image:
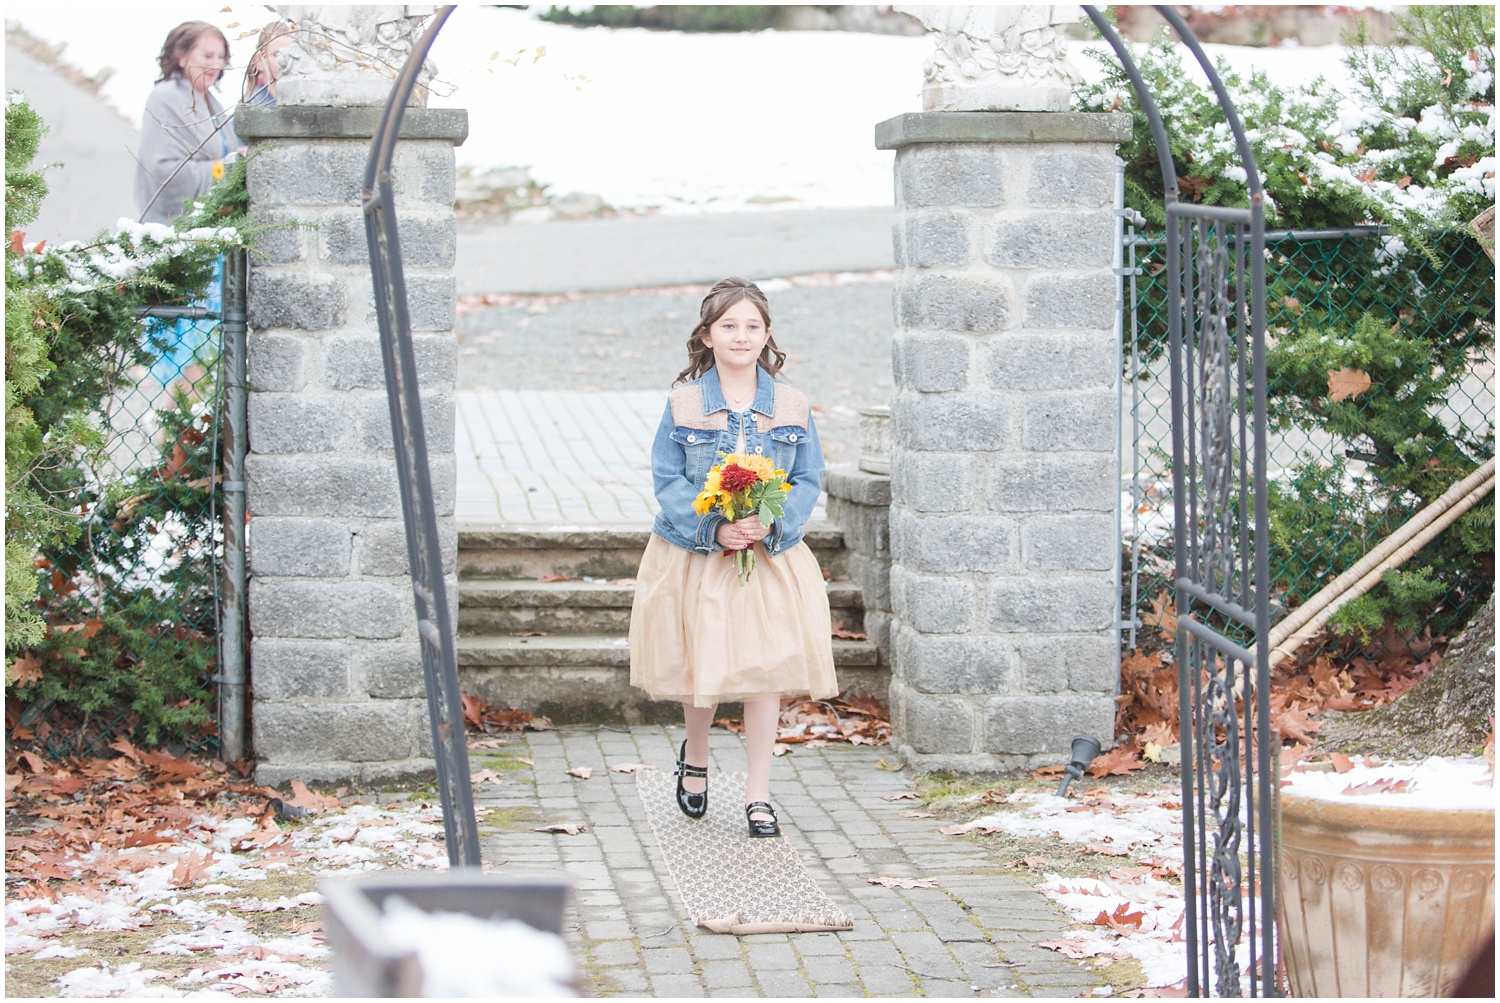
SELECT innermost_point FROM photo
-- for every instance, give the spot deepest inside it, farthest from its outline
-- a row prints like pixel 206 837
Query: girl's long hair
pixel 725 294
pixel 180 41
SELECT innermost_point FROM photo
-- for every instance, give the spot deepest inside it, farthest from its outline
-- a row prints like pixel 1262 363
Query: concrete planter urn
pixel 875 439
pixel 1378 899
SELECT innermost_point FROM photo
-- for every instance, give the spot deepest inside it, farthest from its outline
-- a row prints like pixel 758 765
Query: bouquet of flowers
pixel 740 486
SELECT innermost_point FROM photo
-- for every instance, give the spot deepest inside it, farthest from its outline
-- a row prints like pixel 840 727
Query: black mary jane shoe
pixel 761 828
pixel 692 805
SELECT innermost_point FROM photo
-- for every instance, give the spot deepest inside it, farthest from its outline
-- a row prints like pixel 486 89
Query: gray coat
pixel 176 120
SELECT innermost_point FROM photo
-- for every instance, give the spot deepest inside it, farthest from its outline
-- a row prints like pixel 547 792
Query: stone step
pixel 530 552
pixel 585 678
pixel 500 606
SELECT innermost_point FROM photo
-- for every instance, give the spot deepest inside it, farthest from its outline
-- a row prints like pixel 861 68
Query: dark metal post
pixel 1222 608
pixel 413 474
pixel 232 626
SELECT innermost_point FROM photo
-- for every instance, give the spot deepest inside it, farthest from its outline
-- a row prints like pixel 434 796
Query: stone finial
pixel 347 56
pixel 997 57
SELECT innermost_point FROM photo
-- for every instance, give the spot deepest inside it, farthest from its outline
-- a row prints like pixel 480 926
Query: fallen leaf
pixel 581 772
pixel 780 749
pixel 170 767
pixel 345 839
pixel 1120 761
pixel 1162 615
pixel 32 760
pixel 1107 849
pixel 631 767
pixel 528 633
pixel 148 838
pixel 1347 382
pixel 849 635
pixel 884 765
pixel 25 670
pixel 1341 763
pixel 994 795
pixel 1385 785
pixel 1031 861
pixel 265 833
pixel 568 828
pixel 553 578
pixel 1121 920
pixel 190 869
pixel 903 796
pixel 887 881
pixel 1068 948
pixel 304 798
pixel 485 776
pixel 1293 723
pixel 918 814
pixel 954 830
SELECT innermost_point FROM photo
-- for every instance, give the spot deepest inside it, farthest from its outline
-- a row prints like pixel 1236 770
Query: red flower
pixel 736 478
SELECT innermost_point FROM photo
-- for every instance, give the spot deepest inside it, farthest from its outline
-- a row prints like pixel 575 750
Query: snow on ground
pixel 1464 783
pixel 687 123
pixel 233 857
pixel 1147 910
pixel 1137 838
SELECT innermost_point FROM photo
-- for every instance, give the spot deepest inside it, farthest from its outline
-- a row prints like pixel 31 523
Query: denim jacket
pixel 698 425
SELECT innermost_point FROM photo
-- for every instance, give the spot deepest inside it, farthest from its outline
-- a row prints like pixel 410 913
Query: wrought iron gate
pixel 434 621
pixel 1216 332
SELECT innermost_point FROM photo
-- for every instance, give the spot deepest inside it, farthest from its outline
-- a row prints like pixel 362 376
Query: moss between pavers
pixel 500 761
pixel 501 820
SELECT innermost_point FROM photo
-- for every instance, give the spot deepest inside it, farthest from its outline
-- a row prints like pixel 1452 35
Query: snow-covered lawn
pixel 642 118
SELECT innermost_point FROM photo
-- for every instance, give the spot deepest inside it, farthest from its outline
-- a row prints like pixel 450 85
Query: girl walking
pixel 697 635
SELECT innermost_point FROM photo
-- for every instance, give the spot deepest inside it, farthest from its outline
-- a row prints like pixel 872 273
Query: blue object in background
pixel 183 337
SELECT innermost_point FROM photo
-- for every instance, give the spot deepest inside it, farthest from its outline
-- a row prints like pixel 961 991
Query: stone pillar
pixel 1005 422
pixel 335 666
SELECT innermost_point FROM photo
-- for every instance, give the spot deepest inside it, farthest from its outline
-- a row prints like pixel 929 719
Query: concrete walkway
pixel 973 934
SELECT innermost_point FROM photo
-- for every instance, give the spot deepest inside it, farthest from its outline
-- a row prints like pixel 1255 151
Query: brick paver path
pixel 552 457
pixel 974 934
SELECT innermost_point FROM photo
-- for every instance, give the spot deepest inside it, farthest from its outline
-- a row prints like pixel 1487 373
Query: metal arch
pixel 1223 561
pixel 1209 392
pixel 413 475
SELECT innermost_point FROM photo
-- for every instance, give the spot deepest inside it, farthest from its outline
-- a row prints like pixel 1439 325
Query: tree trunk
pixel 1446 714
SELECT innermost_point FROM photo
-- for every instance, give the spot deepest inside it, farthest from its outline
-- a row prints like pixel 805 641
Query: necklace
pixel 739 402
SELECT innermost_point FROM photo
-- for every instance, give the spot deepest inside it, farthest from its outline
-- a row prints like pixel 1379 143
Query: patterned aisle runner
pixel 729 882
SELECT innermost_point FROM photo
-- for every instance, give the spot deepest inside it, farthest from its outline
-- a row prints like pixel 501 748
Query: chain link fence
pixel 132 603
pixel 1360 437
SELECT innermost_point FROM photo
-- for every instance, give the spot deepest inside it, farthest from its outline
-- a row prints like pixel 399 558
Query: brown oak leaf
pixel 1347 382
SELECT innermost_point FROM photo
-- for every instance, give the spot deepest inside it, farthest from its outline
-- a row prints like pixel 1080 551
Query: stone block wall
pixel 859 503
pixel 336 675
pixel 1005 423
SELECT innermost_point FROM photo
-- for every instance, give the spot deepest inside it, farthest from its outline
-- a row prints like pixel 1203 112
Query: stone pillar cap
pixel 1002 127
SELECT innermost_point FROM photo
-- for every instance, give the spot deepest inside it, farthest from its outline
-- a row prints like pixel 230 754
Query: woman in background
pixel 186 134
pixel 260 82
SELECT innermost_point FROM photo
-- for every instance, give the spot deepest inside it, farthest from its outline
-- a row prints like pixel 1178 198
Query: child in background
pixel 697 634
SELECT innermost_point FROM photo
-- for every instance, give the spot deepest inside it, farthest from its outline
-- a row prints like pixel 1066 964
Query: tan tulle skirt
pixel 698 636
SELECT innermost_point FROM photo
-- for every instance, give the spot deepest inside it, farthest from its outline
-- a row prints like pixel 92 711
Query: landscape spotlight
pixel 1085 748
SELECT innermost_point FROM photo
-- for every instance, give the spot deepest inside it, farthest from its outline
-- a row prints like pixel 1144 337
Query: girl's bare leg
pixel 762 714
pixel 698 721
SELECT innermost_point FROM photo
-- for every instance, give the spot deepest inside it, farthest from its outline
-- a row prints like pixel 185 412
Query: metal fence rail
pixel 1326 279
pixel 140 589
